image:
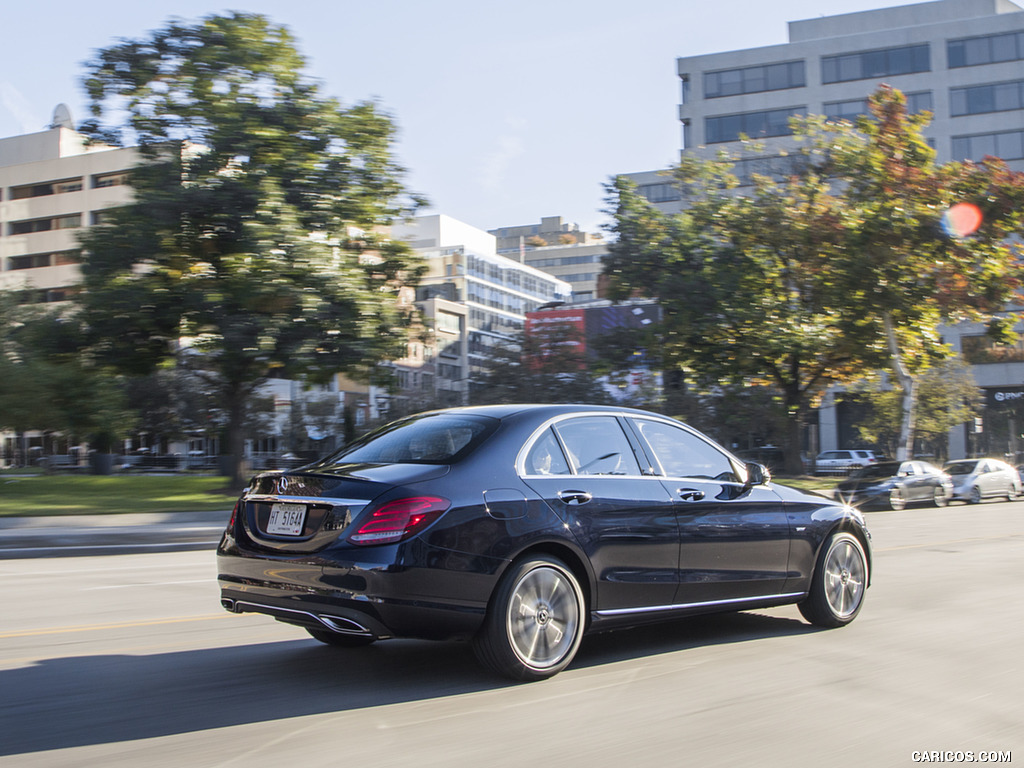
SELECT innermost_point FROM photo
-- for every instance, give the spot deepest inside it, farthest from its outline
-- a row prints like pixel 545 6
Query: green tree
pixel 902 268
pixel 47 384
pixel 946 395
pixel 813 279
pixel 252 238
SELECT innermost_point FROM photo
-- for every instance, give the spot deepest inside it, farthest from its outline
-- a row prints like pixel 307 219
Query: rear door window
pixel 596 445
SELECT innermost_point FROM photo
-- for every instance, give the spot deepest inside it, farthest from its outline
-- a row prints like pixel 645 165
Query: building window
pixel 917 102
pixel 685 89
pixel 71 221
pixel 753 124
pixel 766 77
pixel 881 63
pixel 986 49
pixel 659 193
pixel 448 321
pixel 778 167
pixel 981 349
pixel 981 99
pixel 1008 145
pixel 846 110
pixel 33 261
pixel 49 188
pixel 110 179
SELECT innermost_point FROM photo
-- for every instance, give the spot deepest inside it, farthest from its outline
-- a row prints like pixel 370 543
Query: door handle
pixel 690 494
pixel 575 497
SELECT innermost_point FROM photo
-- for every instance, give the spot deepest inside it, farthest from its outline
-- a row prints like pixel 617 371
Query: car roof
pixel 553 409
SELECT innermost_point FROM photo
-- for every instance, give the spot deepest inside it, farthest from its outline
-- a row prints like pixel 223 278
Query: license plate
pixel 286 519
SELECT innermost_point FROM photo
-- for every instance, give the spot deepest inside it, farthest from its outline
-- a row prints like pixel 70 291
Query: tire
pixel 338 640
pixel 535 621
pixel 974 497
pixel 1011 493
pixel 897 500
pixel 838 584
pixel 939 498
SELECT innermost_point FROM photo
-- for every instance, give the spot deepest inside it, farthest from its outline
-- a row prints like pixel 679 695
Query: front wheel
pixel 940 499
pixel 897 500
pixel 975 495
pixel 535 622
pixel 839 582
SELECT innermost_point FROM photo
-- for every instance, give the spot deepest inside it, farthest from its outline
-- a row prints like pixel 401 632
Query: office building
pixel 558 248
pixel 962 60
pixel 464 269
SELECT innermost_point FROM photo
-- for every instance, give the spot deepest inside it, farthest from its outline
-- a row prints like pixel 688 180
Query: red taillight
pixel 234 515
pixel 399 520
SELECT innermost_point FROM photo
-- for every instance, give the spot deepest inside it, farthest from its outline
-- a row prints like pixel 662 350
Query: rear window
pixel 429 439
pixel 961 467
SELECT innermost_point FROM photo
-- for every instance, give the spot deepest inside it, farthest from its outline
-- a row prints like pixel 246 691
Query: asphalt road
pixel 128 660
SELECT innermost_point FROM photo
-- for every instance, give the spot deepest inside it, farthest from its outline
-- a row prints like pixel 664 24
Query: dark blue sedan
pixel 522 528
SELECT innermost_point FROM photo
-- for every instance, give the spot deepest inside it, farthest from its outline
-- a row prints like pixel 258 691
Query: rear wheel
pixel 535 622
pixel 339 640
pixel 839 582
pixel 975 495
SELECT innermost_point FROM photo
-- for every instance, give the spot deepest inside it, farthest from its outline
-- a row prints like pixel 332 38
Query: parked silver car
pixel 842 462
pixel 977 479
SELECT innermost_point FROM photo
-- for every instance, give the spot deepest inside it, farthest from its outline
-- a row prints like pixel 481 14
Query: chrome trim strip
pixel 330 622
pixel 736 601
pixel 329 501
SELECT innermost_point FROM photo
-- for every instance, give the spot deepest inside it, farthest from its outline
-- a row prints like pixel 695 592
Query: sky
pixel 506 112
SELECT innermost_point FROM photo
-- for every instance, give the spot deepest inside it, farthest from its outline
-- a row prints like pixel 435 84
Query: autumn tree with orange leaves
pixel 846 266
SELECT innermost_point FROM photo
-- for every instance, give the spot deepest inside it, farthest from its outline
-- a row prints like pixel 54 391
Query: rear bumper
pixel 445 599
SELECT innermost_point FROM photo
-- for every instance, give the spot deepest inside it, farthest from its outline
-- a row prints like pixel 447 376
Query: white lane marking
pixel 147 584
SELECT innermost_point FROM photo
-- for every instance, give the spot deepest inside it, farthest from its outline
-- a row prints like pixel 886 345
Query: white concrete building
pixel 52 186
pixel 465 269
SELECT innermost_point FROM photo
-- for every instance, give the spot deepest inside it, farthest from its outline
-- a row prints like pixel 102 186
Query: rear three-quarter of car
pixel 523 527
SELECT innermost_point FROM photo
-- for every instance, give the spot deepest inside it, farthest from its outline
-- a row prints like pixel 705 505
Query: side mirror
pixel 758 474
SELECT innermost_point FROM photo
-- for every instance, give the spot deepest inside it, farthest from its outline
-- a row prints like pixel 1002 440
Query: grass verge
pixel 36 495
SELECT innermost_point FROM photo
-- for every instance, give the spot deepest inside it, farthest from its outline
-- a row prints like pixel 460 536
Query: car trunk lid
pixel 304 511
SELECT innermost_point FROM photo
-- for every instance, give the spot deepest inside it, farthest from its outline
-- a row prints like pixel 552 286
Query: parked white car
pixel 842 462
pixel 977 479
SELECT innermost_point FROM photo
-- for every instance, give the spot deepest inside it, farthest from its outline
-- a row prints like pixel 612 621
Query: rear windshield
pixel 428 439
pixel 961 467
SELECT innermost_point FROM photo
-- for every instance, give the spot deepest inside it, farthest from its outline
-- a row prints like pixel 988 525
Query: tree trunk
pixel 905 448
pixel 236 438
pixel 794 429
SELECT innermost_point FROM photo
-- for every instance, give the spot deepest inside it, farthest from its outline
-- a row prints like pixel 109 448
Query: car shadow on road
pixel 88 700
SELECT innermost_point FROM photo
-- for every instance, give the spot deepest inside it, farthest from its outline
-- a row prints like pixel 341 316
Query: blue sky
pixel 507 112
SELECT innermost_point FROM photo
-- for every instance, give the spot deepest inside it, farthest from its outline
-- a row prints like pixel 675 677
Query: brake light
pixel 234 516
pixel 400 519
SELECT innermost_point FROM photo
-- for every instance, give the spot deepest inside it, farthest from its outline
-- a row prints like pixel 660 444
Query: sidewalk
pixel 24 537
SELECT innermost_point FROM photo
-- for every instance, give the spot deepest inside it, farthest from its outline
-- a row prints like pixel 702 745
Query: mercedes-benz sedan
pixel 521 528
